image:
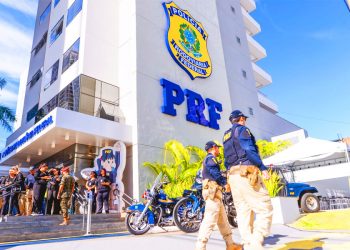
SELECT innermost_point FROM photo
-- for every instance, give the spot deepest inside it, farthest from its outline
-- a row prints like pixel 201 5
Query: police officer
pixel 103 188
pixel 214 214
pixel 250 196
pixel 65 193
pixel 52 192
pixel 41 177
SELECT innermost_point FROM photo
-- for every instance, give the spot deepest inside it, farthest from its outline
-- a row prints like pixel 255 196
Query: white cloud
pixel 15 47
pixel 8 98
pixel 28 7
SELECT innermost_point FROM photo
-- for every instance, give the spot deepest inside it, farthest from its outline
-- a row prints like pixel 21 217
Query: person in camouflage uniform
pixel 65 194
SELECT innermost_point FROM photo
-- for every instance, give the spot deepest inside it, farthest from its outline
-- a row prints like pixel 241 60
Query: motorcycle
pixel 189 211
pixel 157 211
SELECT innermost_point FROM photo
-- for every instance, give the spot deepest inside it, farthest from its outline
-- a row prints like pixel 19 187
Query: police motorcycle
pixel 157 210
pixel 189 211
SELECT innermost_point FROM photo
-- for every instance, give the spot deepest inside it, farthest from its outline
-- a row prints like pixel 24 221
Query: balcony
pixel 262 78
pixel 257 52
pixel 248 5
pixel 251 25
pixel 267 104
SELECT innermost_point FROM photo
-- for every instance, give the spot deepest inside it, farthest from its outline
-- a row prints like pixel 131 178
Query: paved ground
pixel 282 238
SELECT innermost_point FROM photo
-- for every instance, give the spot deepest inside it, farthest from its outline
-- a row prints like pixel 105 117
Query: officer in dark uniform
pixel 243 164
pixel 103 188
pixel 215 213
pixel 52 192
pixel 41 177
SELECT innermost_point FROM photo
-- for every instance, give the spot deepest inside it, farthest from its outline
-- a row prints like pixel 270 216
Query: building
pixel 102 72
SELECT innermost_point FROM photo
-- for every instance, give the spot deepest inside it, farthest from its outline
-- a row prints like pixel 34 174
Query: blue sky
pixel 308 57
pixel 307 43
pixel 17 20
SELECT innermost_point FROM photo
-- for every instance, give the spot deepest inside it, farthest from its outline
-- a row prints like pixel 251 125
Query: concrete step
pixel 45 227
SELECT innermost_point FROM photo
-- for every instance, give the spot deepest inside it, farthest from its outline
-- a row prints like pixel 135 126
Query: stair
pixel 23 228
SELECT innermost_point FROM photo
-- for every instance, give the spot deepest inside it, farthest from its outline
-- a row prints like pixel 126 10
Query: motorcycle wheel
pixel 184 220
pixel 131 225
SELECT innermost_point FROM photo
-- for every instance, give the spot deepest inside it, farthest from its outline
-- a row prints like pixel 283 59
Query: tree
pixel 267 148
pixel 180 166
pixel 7 115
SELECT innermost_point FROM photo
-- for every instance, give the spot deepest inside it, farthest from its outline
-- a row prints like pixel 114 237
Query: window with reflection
pixel 71 56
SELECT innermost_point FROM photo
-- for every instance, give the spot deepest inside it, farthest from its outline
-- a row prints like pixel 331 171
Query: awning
pixel 60 129
pixel 310 149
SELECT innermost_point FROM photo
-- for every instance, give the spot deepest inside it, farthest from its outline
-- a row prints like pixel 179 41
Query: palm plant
pixel 180 166
pixel 7 115
pixel 273 185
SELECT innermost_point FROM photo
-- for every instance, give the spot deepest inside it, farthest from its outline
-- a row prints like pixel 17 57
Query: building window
pixel 67 98
pixel 35 78
pixel 238 40
pixel 251 111
pixel 244 73
pixel 55 3
pixel 45 14
pixel 74 10
pixel 51 75
pixel 32 112
pixel 71 56
pixel 56 31
pixel 233 10
pixel 40 44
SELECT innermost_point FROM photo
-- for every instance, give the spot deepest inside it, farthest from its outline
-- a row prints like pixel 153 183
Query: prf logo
pixel 186 40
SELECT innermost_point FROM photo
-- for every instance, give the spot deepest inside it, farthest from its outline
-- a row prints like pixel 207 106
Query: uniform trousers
pixel 52 200
pixel 65 204
pixel 250 200
pixel 22 202
pixel 38 197
pixel 29 201
pixel 102 201
pixel 214 214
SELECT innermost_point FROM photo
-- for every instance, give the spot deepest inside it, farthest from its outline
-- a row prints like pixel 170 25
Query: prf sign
pixel 186 41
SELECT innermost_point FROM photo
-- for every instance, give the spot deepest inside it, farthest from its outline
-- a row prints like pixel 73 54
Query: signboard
pixel 113 159
pixel 186 41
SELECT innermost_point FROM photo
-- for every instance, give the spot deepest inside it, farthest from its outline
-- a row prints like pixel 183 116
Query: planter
pixel 285 210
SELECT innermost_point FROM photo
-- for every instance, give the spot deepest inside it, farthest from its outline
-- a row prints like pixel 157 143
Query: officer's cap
pixel 31 168
pixel 210 144
pixel 235 114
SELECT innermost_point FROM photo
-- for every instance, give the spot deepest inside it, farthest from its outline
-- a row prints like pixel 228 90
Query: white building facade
pixel 100 72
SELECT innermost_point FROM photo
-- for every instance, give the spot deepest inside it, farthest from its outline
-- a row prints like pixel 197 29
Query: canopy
pixel 310 149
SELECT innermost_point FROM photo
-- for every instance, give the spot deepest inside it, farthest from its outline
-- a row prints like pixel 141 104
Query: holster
pixel 211 190
pixel 251 172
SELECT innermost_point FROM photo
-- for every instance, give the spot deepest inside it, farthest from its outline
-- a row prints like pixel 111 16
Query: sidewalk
pixel 282 238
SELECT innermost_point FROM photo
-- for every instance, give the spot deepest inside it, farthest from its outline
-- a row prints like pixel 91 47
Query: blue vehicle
pixel 157 211
pixel 308 201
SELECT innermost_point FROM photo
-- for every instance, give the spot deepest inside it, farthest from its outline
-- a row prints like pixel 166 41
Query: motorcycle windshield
pixel 156 182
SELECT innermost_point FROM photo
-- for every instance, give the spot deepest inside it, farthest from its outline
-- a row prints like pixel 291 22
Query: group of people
pixel 251 199
pixel 24 196
pixel 48 192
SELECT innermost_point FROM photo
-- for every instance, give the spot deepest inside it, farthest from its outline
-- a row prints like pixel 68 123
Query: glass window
pixel 51 75
pixel 68 98
pixel 32 112
pixel 35 78
pixel 87 104
pixel 109 93
pixel 88 85
pixel 55 3
pixel 56 31
pixel 74 10
pixel 71 56
pixel 45 14
pixel 40 44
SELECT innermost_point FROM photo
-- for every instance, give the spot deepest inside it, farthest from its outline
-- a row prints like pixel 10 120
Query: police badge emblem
pixel 186 41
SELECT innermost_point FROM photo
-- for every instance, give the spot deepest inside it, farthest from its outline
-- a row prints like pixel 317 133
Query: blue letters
pixel 195 108
pixel 213 106
pixel 173 94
